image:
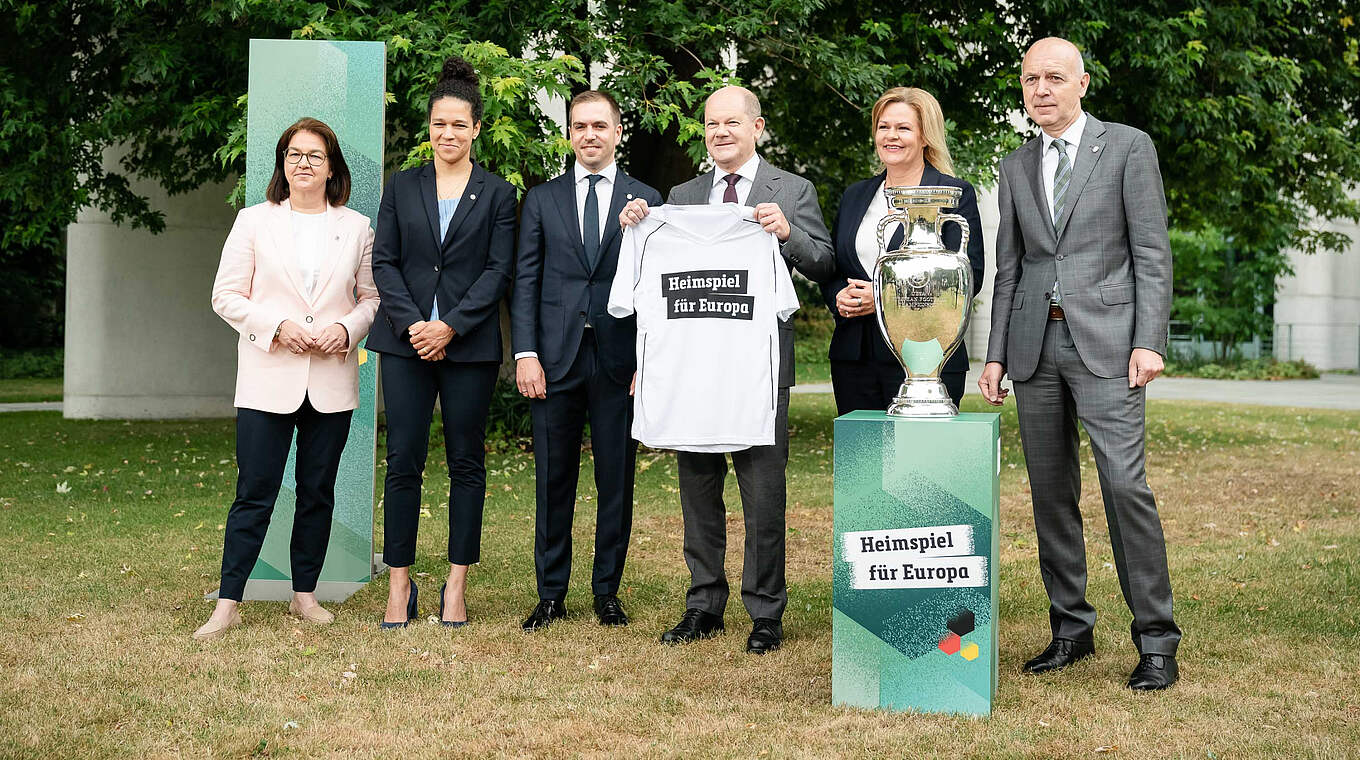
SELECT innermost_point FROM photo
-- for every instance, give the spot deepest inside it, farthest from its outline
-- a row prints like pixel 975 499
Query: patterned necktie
pixel 1061 177
pixel 730 194
pixel 590 224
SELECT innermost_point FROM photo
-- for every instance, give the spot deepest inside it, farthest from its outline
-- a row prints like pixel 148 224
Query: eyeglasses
pixel 315 158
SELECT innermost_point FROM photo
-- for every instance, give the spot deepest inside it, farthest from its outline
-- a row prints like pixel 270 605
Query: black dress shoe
pixel 1060 654
pixel 766 636
pixel 1154 672
pixel 544 613
pixel 609 610
pixel 694 625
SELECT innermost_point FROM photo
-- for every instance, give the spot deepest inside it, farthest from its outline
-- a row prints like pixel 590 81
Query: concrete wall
pixel 1317 309
pixel 142 340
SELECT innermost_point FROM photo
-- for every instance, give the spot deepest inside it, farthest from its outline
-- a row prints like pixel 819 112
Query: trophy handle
pixel 902 218
pixel 940 221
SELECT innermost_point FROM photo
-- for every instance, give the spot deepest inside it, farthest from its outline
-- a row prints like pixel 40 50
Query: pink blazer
pixel 259 285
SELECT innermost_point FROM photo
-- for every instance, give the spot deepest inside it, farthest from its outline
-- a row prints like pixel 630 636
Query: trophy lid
pixel 906 196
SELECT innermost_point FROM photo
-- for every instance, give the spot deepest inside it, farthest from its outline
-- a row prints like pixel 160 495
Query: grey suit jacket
pixel 808 249
pixel 1110 251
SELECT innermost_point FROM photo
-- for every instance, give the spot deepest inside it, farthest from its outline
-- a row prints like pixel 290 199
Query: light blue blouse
pixel 447 207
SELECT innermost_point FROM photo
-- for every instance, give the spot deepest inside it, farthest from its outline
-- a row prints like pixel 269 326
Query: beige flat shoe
pixel 318 614
pixel 214 629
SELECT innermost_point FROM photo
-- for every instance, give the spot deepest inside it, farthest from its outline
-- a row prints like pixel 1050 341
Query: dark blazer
pixel 858 338
pixel 556 291
pixel 469 268
pixel 808 249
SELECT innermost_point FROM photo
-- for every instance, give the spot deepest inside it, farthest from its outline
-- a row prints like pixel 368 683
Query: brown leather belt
pixel 1055 312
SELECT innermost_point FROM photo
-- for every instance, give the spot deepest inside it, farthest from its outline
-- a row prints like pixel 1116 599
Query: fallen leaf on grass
pixel 75 617
pixel 63 487
pixel 1106 748
pixel 1332 546
pixel 290 725
pixel 1043 723
pixel 308 651
pixel 348 674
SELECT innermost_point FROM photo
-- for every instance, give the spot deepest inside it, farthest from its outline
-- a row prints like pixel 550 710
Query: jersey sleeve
pixel 626 275
pixel 785 297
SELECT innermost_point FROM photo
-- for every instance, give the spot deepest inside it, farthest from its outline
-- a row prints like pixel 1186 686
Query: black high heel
pixel 410 610
pixel 442 621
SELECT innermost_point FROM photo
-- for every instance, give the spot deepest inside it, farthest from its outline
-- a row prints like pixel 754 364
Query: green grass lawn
pixel 30 389
pixel 111 533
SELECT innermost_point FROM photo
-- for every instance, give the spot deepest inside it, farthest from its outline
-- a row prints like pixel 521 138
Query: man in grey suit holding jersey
pixel 785 205
pixel 1079 321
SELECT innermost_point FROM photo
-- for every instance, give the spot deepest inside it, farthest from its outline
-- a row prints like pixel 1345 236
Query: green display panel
pixel 342 84
pixel 914 603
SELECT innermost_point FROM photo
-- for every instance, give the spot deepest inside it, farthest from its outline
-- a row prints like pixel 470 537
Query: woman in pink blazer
pixel 297 283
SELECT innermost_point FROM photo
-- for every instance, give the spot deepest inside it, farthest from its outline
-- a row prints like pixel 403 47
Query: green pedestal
pixel 914 604
pixel 342 84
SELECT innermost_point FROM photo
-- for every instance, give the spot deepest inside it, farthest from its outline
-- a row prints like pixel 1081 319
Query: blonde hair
pixel 930 116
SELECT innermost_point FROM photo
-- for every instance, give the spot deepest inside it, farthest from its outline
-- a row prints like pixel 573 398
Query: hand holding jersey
pixel 709 287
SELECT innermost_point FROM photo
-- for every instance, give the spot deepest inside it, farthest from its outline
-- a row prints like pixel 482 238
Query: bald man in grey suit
pixel 1079 321
pixel 785 205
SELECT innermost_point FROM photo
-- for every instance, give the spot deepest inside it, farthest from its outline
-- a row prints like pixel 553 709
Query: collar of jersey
pixel 706 223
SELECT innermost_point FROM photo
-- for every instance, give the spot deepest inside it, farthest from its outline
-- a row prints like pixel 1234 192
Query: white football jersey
pixel 709 288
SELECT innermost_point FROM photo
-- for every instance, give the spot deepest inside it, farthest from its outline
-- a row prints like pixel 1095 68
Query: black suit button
pixel 1048 296
pixel 1061 256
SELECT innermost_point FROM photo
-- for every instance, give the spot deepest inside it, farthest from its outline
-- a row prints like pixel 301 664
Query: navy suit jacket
pixel 858 338
pixel 555 289
pixel 469 267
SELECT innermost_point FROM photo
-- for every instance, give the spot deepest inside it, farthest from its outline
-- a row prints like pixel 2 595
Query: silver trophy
pixel 924 296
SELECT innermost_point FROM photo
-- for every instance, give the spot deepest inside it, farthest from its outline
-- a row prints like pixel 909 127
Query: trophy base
pixel 922 397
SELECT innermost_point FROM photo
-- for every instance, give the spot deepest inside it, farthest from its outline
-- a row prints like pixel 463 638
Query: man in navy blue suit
pixel 574 360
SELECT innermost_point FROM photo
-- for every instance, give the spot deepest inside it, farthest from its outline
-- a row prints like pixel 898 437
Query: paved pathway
pixel 33 406
pixel 1328 392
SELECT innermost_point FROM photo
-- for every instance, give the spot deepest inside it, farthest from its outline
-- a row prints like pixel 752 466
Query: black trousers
pixel 761 474
pixel 873 384
pixel 464 389
pixel 586 391
pixel 262 441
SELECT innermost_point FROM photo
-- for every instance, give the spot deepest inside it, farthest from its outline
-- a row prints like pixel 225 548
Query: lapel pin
pixel 472 197
pixel 1095 148
pixel 630 196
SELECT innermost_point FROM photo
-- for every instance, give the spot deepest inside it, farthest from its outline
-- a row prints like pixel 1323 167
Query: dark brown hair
pixel 591 96
pixel 337 187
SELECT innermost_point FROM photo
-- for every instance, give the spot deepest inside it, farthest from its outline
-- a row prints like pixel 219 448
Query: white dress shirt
pixel 866 237
pixel 1072 136
pixel 747 172
pixel 309 240
pixel 604 193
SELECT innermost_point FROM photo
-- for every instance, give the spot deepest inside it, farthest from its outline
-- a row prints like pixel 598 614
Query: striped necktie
pixel 1061 177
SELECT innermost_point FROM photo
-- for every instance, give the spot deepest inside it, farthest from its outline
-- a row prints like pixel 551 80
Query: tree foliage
pixel 1253 104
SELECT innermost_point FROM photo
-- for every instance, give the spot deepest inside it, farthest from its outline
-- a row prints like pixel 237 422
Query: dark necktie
pixel 590 225
pixel 730 194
